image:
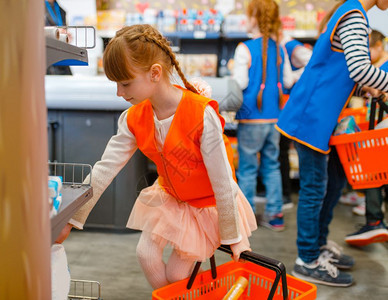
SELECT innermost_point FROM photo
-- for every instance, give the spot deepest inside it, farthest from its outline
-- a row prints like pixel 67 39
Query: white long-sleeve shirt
pixel 242 60
pixel 122 146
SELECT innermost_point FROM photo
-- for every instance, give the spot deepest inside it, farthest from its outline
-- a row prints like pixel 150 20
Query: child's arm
pixel 221 178
pixel 118 151
pixel 290 77
pixel 301 56
pixel 352 37
pixel 241 65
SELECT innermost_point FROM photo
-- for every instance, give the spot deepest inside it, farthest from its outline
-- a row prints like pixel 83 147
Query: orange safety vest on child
pixel 182 172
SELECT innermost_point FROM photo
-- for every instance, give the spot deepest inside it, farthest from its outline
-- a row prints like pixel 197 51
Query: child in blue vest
pixel 298 55
pixel 340 60
pixel 258 70
pixel 375 230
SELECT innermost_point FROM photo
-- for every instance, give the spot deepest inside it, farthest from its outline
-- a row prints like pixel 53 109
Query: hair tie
pixel 279 85
pixel 262 86
pixel 202 87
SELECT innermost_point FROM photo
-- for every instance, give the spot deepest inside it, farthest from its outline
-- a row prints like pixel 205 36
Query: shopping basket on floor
pixel 267 280
pixel 364 154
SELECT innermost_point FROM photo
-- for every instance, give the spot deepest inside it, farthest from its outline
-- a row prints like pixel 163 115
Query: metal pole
pixel 24 212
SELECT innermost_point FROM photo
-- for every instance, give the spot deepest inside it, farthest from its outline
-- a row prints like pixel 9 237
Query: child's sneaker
pixel 359 210
pixel 259 199
pixel 352 198
pixel 276 222
pixel 334 252
pixel 287 203
pixel 370 233
pixel 321 271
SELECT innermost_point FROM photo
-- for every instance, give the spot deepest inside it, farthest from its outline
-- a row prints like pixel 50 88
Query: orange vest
pixel 182 172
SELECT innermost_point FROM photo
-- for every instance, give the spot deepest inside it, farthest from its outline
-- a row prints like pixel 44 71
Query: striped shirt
pixel 352 36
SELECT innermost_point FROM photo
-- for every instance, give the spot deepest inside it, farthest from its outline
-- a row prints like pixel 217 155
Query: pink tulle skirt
pixel 193 232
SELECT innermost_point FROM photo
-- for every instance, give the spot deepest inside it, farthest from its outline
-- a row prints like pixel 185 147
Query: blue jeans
pixel 335 184
pixel 313 181
pixel 252 139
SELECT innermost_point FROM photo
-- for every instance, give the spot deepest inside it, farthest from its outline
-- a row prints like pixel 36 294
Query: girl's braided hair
pixel 266 13
pixel 139 47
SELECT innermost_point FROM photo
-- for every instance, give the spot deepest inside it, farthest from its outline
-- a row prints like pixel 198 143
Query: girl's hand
pixel 64 233
pixel 371 91
pixel 237 249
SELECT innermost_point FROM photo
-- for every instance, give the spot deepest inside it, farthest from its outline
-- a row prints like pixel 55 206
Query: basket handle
pixel 269 263
pixel 196 268
pixel 372 115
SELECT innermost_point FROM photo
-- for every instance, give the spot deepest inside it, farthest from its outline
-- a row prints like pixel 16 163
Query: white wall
pixel 378 20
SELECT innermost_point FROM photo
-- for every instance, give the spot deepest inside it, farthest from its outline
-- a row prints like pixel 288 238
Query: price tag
pixel 199 34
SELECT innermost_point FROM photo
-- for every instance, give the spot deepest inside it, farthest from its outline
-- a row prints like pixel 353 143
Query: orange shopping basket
pixel 257 269
pixel 364 154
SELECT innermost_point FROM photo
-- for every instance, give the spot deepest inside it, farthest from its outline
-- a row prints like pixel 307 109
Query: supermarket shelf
pixel 194 35
pixel 63 54
pixel 297 34
pixel 236 35
pixel 73 197
pixel 176 34
pixel 302 34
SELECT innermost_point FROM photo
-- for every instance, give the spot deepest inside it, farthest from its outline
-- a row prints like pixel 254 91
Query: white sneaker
pixel 321 271
pixel 352 198
pixel 259 199
pixel 359 210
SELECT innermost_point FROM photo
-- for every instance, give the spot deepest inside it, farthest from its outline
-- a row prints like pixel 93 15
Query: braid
pixel 264 26
pixel 277 26
pixel 139 46
pixel 153 36
pixel 266 13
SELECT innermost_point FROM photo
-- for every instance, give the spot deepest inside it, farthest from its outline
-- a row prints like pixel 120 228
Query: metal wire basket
pixel 80 36
pixel 84 290
pixel 73 174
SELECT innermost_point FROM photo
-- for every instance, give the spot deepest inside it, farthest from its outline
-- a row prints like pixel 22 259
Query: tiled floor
pixel 110 259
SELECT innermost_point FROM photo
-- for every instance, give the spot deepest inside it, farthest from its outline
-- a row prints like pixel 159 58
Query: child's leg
pixel 150 256
pixel 178 268
pixel 270 170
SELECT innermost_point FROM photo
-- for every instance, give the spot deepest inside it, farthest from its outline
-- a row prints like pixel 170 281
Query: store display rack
pixel 75 192
pixel 70 54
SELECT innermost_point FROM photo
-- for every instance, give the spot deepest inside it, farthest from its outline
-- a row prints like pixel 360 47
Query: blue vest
pixel 323 90
pixel 384 66
pixel 270 104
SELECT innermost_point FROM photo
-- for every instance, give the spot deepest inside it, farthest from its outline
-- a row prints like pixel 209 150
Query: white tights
pixel 150 256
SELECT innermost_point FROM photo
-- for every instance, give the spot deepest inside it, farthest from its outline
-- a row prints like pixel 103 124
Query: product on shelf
pixel 198 64
pixel 235 23
pixel 112 19
pixel 167 20
pixel 55 195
